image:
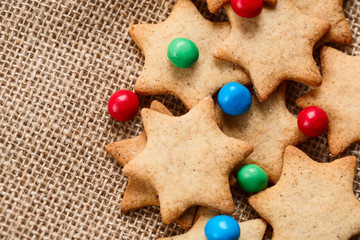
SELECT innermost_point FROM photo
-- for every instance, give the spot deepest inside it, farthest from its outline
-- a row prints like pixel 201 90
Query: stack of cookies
pixel 185 164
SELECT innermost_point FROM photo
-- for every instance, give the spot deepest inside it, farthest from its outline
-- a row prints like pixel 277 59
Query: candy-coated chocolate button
pixel 234 99
pixel 247 8
pixel 222 227
pixel 123 105
pixel 252 178
pixel 313 121
pixel 182 52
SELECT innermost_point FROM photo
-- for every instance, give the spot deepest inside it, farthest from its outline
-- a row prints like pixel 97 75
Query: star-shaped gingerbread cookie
pixel 331 11
pixel 191 84
pixel 188 160
pixel 250 230
pixel 140 194
pixel 311 200
pixel 269 127
pixel 339 97
pixel 275 46
pixel 216 5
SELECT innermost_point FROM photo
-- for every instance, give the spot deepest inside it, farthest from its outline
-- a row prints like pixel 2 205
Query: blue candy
pixel 222 227
pixel 234 99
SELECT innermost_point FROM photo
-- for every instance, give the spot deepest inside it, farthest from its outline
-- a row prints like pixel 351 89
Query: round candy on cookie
pixel 234 99
pixel 247 8
pixel 252 178
pixel 222 227
pixel 313 121
pixel 183 53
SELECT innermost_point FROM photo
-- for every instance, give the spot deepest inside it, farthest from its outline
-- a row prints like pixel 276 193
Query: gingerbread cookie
pixel 216 5
pixel 339 97
pixel 140 194
pixel 188 160
pixel 191 84
pixel 250 230
pixel 275 46
pixel 331 11
pixel 311 200
pixel 269 127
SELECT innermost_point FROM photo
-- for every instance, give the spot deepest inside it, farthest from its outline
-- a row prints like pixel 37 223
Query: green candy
pixel 182 52
pixel 252 178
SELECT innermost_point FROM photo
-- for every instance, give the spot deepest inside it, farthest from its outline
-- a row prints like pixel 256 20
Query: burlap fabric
pixel 60 61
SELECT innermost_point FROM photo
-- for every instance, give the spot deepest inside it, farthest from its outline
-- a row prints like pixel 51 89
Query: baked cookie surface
pixel 188 160
pixel 339 97
pixel 250 230
pixel 311 200
pixel 269 127
pixel 275 46
pixel 138 193
pixel 191 84
pixel 331 11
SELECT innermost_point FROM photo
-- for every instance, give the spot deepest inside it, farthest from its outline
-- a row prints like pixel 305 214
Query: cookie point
pixel 132 30
pixel 291 149
pixel 155 103
pixel 108 147
pixel 324 50
pixel 145 112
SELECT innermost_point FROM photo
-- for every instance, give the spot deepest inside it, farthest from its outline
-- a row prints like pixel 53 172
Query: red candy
pixel 313 121
pixel 123 105
pixel 247 8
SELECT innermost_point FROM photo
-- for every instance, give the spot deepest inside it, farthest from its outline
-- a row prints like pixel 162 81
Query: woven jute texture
pixel 60 61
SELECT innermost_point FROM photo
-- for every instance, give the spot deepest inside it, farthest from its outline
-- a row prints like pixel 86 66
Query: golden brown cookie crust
pixel 275 46
pixel 331 11
pixel 339 97
pixel 138 193
pixel 250 230
pixel 188 160
pixel 311 200
pixel 269 127
pixel 192 84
